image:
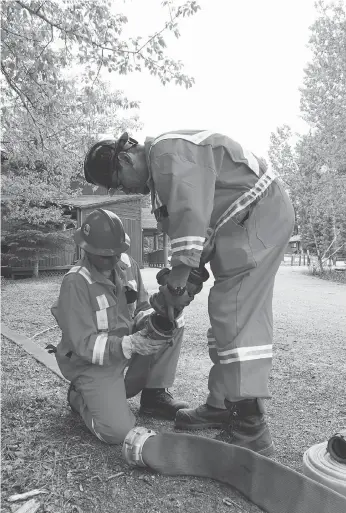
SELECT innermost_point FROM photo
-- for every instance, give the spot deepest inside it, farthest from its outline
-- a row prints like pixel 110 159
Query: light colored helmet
pixel 102 233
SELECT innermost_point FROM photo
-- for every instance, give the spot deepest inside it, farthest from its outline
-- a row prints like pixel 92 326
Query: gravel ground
pixel 307 382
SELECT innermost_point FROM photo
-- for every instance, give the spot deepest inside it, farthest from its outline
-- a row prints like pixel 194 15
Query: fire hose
pixel 326 463
pixel 270 485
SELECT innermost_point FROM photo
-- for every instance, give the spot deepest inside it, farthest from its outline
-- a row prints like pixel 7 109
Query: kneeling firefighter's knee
pixel 114 434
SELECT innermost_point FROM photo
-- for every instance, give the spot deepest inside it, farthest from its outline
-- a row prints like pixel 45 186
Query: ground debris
pixel 229 502
pixel 146 480
pixel 118 474
pixel 26 495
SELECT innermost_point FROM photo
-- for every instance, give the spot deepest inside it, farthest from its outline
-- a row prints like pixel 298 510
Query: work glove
pixel 141 344
pixel 141 319
pixel 172 302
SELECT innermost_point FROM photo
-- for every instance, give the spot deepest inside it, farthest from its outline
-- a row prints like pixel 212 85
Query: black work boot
pixel 160 403
pixel 202 417
pixel 246 427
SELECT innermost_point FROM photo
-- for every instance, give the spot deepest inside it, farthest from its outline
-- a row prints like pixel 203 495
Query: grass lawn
pixel 45 446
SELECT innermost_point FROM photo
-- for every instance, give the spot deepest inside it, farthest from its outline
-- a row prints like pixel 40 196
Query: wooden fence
pixel 61 258
pixel 304 259
pixel 295 259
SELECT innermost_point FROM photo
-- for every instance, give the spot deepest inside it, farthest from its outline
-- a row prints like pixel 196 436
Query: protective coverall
pixel 195 177
pixel 94 314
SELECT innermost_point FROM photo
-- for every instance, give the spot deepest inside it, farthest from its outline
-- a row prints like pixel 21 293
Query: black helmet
pixel 101 161
pixel 102 233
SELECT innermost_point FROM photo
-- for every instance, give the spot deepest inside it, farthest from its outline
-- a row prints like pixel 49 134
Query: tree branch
pixel 43 49
pixel 4 29
pixel 90 41
pixel 20 94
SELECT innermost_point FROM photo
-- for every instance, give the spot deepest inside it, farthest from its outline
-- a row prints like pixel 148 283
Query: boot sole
pixel 156 413
pixel 195 427
pixel 266 451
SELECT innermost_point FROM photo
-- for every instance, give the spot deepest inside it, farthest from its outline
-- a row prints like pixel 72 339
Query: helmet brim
pixel 98 172
pixel 124 246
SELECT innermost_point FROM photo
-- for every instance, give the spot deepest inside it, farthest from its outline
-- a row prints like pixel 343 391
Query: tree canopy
pixel 56 99
pixel 313 165
pixel 323 95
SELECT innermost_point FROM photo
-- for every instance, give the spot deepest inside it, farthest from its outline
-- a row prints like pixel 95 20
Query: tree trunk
pixel 35 268
pixel 319 254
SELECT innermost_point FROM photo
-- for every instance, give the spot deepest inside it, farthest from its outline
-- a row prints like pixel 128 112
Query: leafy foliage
pixel 56 101
pixel 314 165
pixel 323 96
pixel 40 39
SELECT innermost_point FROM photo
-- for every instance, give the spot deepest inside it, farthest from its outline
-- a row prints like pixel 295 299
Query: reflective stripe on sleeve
pixel 243 354
pixel 186 243
pixel 132 284
pixel 101 315
pixel 125 259
pixel 211 342
pixel 99 348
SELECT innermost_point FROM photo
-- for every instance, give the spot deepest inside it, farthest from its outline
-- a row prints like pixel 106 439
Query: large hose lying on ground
pixel 320 463
pixel 272 486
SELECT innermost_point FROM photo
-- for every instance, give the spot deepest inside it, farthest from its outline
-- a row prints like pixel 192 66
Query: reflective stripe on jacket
pixel 194 177
pixel 93 313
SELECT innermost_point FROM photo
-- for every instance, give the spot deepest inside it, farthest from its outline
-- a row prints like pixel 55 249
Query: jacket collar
pixel 121 280
pixel 95 274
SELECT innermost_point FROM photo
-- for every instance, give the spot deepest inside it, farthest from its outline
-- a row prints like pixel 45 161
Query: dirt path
pixel 311 305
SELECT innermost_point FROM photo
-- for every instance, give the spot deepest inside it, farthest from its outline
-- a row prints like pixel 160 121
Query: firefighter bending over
pixel 101 312
pixel 205 184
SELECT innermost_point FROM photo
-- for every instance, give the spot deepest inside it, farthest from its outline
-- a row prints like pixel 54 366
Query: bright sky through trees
pixel 247 58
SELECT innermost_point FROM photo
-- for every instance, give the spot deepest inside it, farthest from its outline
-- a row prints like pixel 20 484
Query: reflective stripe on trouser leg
pixel 217 392
pixel 245 263
pixel 245 355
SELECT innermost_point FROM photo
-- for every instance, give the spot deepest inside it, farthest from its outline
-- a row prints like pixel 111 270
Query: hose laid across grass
pixel 272 486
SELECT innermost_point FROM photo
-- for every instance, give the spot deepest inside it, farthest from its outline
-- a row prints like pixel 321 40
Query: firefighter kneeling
pixel 103 311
